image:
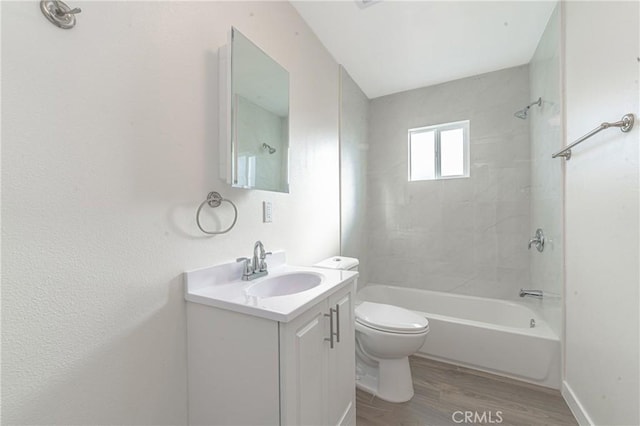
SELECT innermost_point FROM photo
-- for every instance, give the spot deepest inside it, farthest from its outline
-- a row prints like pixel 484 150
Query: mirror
pixel 255 117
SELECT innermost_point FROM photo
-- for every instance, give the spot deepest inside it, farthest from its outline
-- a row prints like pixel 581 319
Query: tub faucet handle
pixel 538 240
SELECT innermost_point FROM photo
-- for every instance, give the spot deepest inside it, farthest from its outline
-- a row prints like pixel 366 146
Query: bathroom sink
pixel 285 284
pixel 286 292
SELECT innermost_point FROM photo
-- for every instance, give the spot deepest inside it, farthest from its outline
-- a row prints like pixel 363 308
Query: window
pixel 439 152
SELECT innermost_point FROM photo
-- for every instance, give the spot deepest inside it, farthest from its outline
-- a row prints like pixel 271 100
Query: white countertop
pixel 221 286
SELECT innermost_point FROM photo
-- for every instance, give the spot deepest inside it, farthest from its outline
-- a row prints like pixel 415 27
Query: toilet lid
pixel 390 318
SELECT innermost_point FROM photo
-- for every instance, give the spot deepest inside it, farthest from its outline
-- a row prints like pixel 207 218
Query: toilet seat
pixel 391 319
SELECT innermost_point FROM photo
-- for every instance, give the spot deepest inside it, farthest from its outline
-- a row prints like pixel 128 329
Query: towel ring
pixel 214 199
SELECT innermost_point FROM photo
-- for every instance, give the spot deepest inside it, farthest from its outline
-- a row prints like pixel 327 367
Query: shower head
pixel 269 148
pixel 523 113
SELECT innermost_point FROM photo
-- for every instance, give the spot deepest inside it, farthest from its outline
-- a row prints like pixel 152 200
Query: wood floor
pixel 443 389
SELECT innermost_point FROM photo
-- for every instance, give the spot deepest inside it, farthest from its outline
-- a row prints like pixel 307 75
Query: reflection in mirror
pixel 259 118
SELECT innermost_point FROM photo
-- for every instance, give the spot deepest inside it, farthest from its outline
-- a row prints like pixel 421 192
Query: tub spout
pixel 534 293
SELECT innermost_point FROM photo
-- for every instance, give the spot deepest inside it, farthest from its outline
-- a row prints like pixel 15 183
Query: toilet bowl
pixel 385 337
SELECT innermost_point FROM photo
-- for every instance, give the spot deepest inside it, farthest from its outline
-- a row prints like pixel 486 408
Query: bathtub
pixel 485 334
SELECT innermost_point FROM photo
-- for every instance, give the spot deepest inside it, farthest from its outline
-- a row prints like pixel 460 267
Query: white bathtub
pixel 486 334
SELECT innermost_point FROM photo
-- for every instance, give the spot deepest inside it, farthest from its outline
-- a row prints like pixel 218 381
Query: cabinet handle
pixel 337 323
pixel 331 333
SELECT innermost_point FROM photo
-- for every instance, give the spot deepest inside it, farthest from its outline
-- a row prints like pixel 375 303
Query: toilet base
pixel 389 380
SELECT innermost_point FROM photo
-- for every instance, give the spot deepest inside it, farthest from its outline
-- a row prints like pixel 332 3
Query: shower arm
pixel 524 111
pixel 538 102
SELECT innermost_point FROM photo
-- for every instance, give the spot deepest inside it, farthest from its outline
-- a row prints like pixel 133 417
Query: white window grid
pixel 437 129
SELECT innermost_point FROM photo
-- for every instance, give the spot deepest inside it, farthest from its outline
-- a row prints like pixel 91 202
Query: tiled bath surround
pixel 354 123
pixel 466 235
pixel 546 172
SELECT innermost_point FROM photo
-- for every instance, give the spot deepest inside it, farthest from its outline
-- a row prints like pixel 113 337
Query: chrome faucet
pixel 255 267
pixel 534 293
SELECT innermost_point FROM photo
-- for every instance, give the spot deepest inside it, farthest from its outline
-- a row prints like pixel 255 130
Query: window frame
pixel 437 129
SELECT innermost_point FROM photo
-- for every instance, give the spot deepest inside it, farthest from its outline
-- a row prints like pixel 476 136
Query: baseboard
pixel 575 406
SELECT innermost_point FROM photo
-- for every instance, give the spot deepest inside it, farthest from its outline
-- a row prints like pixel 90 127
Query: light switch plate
pixel 267 212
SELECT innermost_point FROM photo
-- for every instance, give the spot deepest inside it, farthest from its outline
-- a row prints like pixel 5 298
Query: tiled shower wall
pixel 465 235
pixel 354 115
pixel 546 172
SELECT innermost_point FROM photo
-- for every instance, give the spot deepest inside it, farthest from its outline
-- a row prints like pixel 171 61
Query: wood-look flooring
pixel 442 389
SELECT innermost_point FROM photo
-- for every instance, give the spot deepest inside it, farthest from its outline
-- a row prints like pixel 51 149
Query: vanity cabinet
pixel 318 364
pixel 247 370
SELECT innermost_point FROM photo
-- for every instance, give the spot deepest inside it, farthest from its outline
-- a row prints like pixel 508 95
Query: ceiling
pixel 391 46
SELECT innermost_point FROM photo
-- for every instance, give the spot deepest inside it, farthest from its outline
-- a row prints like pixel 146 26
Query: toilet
pixel 385 337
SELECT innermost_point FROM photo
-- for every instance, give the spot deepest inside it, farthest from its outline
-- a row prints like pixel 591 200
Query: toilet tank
pixel 339 262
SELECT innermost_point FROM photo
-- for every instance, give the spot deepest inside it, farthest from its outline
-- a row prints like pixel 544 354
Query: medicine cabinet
pixel 254 117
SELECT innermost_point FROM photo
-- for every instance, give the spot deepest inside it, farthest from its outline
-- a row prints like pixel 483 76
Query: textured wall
pixel 464 235
pixel 109 143
pixel 602 210
pixel 354 146
pixel 546 172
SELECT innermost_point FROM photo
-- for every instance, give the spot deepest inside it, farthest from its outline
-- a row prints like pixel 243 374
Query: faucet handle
pixel 263 263
pixel 538 240
pixel 247 265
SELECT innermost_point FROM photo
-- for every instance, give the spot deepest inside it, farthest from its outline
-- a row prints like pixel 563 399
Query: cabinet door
pixel 303 368
pixel 342 369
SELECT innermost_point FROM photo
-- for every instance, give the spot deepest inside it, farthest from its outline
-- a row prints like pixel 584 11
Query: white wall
pixel 602 255
pixel 354 147
pixel 546 172
pixel 109 143
pixel 464 235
